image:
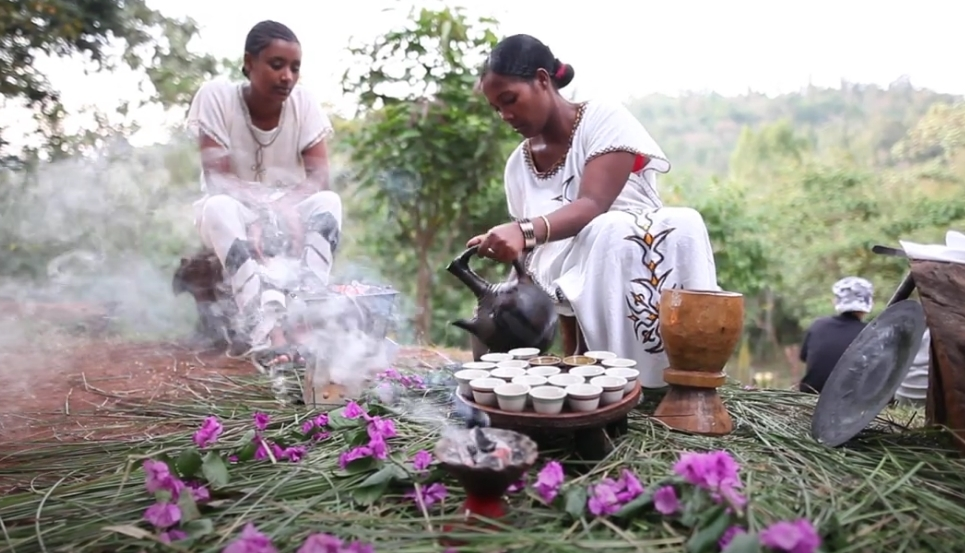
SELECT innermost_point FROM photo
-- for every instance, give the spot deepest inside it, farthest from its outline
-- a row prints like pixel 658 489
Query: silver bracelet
pixel 529 234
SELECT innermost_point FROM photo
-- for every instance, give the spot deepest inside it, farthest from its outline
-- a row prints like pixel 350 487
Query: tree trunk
pixel 423 292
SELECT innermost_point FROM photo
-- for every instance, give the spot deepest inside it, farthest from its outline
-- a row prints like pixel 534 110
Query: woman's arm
pixel 603 179
pixel 219 176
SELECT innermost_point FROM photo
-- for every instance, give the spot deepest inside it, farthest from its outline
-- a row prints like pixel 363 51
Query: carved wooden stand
pixel 700 331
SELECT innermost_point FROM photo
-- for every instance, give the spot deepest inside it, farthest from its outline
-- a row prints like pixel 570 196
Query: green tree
pixel 429 152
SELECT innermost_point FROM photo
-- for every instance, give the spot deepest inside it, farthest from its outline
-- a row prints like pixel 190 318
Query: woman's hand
pixel 503 243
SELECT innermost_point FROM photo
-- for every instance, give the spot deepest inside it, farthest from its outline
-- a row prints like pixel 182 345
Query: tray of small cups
pixel 523 381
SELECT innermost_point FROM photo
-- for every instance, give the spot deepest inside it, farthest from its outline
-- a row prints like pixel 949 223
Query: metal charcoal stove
pixel 344 336
pixel 486 462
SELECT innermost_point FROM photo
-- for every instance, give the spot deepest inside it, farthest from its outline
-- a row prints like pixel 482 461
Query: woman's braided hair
pixel 521 56
pixel 262 34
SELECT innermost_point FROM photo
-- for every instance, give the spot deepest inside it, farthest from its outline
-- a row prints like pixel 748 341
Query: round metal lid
pixel 868 374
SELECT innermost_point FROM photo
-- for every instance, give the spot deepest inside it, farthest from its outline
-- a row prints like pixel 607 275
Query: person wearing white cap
pixel 828 337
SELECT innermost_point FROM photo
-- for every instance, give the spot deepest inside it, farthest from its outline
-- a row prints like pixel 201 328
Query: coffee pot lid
pixel 868 374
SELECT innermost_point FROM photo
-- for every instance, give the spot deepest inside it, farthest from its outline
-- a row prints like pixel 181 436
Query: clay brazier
pixel 700 330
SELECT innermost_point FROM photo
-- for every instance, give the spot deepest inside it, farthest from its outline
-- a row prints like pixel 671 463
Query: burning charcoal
pixel 483 442
pixel 472 417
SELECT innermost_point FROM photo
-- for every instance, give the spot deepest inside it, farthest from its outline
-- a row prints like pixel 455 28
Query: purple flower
pixel 294 453
pixel 320 436
pixel 549 480
pixel 353 411
pixel 603 499
pixel 665 501
pixel 199 493
pixel 163 515
pixel 378 448
pixel 429 495
pixel 728 536
pixel 326 543
pixel 208 433
pixel 261 421
pixel 517 486
pixel 353 455
pixel 711 471
pixel 629 487
pixel 250 541
pixel 159 477
pixel 798 536
pixel 172 535
pixel 317 422
pixel 381 428
pixel 421 460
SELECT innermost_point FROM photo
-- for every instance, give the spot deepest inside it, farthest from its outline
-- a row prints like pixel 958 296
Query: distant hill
pixel 698 132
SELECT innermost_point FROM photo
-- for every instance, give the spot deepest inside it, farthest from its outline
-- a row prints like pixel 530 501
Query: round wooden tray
pixel 567 420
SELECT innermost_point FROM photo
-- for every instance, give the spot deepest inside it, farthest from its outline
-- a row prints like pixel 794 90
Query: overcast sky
pixel 618 48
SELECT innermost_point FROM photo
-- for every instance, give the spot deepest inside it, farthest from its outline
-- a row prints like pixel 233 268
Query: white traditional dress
pixel 274 158
pixel 611 274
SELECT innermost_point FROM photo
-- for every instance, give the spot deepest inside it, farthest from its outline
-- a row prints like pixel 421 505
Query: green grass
pixel 892 489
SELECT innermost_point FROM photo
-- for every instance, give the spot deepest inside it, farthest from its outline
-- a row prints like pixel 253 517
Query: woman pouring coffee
pixel 582 190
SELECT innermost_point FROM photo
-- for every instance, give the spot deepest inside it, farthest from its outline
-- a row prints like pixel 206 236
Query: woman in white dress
pixel 265 166
pixel 582 190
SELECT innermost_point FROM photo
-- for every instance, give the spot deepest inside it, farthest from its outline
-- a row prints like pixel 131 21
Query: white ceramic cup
pixel 583 397
pixel 563 380
pixel 547 400
pixel 630 375
pixel 513 364
pixel 483 390
pixel 524 353
pixel 612 388
pixel 600 355
pixel 618 362
pixel 507 373
pixel 545 371
pixel 495 357
pixel 465 376
pixel 479 365
pixel 588 371
pixel 511 397
pixel 532 381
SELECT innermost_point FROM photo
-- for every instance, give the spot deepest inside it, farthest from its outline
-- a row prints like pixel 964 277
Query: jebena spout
pixel 469 326
pixel 459 267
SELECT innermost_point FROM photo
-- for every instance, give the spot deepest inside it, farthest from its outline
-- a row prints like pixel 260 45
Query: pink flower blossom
pixel 261 421
pixel 208 433
pixel 353 411
pixel 318 422
pixel 715 472
pixel 728 536
pixel 608 496
pixel 319 436
pixel 407 380
pixel 378 447
pixel 665 500
pixel 326 543
pixel 354 454
pixel 163 515
pixel 159 477
pixel 516 486
pixel 549 480
pixel 250 541
pixel 603 499
pixel 381 428
pixel 421 460
pixel 430 495
pixel 199 493
pixel 172 535
pixel 798 536
pixel 294 453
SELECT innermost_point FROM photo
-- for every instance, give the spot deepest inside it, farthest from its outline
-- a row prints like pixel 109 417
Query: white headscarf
pixel 853 294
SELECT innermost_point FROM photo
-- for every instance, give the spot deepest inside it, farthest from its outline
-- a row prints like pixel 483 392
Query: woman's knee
pixel 325 201
pixel 219 208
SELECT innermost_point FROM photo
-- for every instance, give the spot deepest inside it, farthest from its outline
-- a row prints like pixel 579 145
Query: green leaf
pixel 338 421
pixel 189 509
pixel 576 501
pixel 367 495
pixel 188 463
pixel 198 527
pixel 363 464
pixel 247 452
pixel 215 470
pixel 639 503
pixel 744 543
pixel 711 527
pixel 385 475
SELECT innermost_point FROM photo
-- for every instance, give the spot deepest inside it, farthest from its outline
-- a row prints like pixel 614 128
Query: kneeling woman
pixel 584 180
